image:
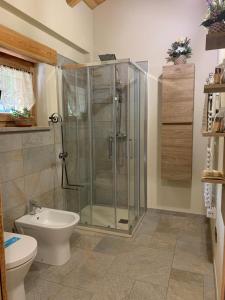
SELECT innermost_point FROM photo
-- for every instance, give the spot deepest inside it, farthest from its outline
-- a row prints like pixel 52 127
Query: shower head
pixel 107 57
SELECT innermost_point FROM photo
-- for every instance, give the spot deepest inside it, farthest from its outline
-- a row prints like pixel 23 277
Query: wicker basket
pixel 182 59
pixel 217 27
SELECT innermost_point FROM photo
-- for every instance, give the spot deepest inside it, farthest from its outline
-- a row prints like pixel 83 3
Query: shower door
pixel 103 136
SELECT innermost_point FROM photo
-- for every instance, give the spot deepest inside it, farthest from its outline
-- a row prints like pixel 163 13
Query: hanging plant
pixel 180 51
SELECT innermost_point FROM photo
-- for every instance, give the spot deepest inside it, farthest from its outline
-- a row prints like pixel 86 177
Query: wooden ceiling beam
pixel 91 3
pixel 72 3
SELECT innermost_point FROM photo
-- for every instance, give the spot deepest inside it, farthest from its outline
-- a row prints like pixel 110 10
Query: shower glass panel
pixel 76 170
pixel 104 129
pixel 143 142
pixel 102 89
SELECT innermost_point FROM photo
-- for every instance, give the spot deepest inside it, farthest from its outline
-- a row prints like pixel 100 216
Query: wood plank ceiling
pixel 91 3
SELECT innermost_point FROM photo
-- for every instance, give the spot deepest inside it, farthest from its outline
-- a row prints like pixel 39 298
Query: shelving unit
pixel 214 88
pixel 216 41
pixel 215 181
pixel 213 134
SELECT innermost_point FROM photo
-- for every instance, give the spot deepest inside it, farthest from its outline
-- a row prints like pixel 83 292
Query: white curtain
pixel 16 89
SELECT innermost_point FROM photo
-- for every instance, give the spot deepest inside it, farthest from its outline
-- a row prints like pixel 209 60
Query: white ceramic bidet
pixel 52 229
pixel 19 255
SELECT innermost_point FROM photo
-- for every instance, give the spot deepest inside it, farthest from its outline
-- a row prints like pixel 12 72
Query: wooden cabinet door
pixel 178 93
pixel 176 152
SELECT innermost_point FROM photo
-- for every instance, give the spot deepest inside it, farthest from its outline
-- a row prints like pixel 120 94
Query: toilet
pixel 20 251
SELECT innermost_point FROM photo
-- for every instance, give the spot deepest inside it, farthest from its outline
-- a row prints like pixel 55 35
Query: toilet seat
pixel 21 251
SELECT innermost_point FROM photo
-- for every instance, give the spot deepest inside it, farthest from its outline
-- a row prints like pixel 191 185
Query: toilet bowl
pixel 52 229
pixel 19 255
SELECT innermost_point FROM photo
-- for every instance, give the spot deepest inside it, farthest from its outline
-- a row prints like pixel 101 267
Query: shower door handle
pixel 110 146
pixel 131 149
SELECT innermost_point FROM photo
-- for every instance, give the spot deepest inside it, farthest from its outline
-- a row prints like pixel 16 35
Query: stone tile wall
pixel 29 170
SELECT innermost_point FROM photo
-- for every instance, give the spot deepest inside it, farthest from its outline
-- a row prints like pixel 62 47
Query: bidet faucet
pixel 33 206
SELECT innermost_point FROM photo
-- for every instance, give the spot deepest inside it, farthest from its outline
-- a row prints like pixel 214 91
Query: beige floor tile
pixel 185 286
pixel 85 241
pixel 157 240
pixel 112 287
pixel 41 289
pixel 149 224
pixel 92 270
pixel 146 291
pixel 193 257
pixel 144 264
pixel 67 293
pixel 114 245
pixel 171 224
pixel 56 274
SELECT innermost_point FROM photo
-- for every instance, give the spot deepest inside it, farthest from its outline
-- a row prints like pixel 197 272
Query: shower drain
pixel 123 221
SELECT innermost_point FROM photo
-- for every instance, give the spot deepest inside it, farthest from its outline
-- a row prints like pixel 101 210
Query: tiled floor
pixel 169 258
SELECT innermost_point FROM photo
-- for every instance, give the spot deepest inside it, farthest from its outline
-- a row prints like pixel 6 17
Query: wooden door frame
pixel 3 291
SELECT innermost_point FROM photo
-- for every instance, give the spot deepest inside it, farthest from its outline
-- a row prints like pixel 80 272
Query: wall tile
pixel 38 139
pixel 39 183
pixel 11 165
pixel 9 142
pixel 13 193
pixel 38 158
pixel 12 214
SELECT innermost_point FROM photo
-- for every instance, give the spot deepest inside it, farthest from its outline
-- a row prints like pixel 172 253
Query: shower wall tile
pixel 11 165
pixel 38 158
pixel 102 129
pixel 9 142
pixel 102 112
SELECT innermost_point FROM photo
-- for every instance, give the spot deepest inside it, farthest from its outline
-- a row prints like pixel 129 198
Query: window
pixel 16 86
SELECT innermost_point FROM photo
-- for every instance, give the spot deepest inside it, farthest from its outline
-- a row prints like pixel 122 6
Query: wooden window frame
pixel 22 65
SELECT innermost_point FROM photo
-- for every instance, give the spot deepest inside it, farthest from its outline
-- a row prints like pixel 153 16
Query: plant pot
pixel 182 59
pixel 23 122
pixel 217 27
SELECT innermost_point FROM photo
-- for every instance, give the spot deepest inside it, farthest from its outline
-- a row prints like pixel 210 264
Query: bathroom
pixel 86 191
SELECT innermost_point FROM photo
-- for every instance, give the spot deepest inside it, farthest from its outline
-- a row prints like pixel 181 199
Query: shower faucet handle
pixel 63 155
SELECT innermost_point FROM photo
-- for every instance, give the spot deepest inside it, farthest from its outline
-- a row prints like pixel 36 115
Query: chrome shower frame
pixel 114 148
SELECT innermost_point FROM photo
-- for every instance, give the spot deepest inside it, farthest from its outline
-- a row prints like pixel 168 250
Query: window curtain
pixel 16 89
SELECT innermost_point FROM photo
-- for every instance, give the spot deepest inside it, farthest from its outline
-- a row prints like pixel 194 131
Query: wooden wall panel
pixel 177 93
pixel 176 152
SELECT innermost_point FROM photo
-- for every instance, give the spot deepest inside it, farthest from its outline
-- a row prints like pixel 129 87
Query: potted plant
pixel 22 118
pixel 180 51
pixel 214 20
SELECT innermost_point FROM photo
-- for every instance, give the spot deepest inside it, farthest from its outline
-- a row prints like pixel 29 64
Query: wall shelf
pixel 214 88
pixel 213 134
pixel 215 41
pixel 216 181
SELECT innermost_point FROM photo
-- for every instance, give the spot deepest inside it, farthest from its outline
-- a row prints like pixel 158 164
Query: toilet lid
pixel 20 252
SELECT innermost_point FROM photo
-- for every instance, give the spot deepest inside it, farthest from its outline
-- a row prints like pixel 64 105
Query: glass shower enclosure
pixel 105 130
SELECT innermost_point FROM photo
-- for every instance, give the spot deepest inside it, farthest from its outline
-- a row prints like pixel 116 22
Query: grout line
pixel 175 248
